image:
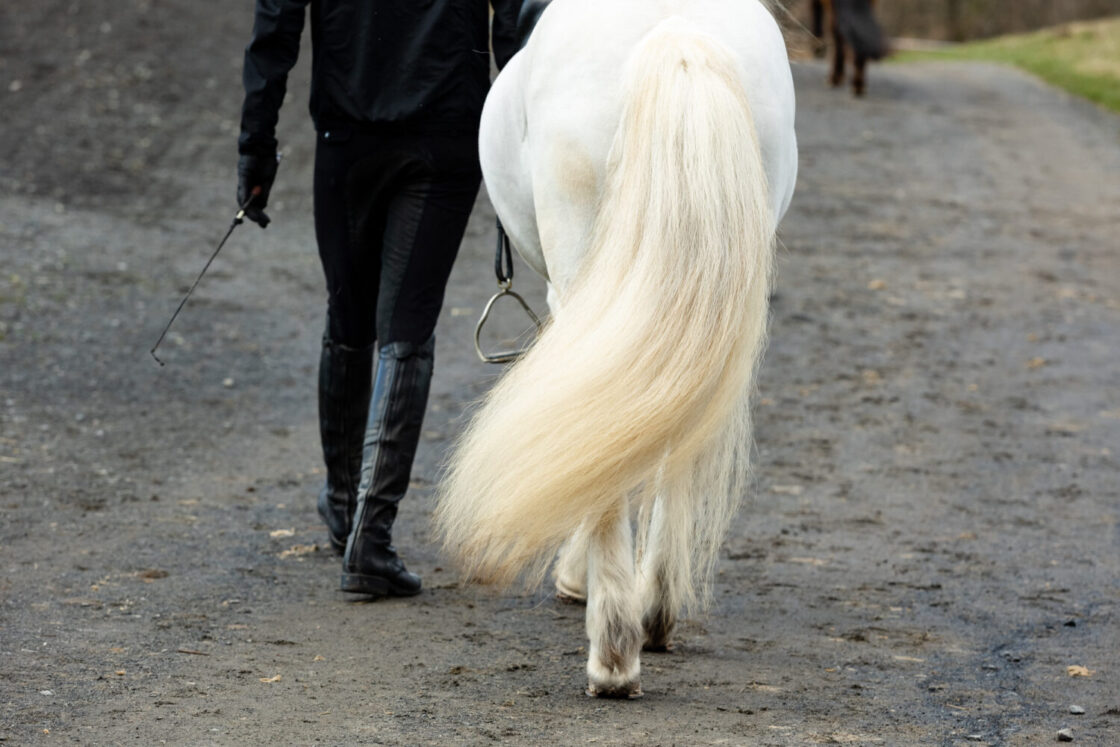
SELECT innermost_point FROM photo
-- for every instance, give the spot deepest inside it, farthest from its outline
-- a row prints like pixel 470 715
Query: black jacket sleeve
pixel 503 31
pixel 270 56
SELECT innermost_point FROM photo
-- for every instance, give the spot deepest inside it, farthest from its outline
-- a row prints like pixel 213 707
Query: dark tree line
pixel 959 20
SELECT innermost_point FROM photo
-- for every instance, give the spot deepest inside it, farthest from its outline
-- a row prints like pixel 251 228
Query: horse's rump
pixel 640 386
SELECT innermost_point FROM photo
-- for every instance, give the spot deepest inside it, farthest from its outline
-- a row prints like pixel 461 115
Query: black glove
pixel 255 173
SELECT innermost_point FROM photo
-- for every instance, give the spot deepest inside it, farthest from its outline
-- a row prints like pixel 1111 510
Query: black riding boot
pixel 400 396
pixel 344 382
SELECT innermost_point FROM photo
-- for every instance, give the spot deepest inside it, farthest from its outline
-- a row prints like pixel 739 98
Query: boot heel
pixel 359 583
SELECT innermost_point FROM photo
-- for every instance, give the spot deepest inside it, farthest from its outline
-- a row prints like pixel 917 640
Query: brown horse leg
pixel 819 45
pixel 837 77
pixel 859 82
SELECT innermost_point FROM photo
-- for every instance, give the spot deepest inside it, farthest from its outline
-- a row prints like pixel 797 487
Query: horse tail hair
pixel 639 388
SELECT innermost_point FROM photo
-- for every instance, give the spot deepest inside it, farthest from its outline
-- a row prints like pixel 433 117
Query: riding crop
pixel 238 219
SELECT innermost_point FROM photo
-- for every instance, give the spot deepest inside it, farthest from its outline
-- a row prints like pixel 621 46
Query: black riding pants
pixel 390 212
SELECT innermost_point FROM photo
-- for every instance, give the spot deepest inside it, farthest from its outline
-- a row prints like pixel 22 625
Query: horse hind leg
pixel 657 581
pixel 614 626
pixel 571 567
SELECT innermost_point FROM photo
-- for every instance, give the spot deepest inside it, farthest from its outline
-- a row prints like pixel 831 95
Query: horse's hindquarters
pixel 503 154
pixel 653 193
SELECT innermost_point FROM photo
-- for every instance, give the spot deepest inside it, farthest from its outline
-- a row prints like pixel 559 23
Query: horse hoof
pixel 569 599
pixel 658 625
pixel 569 595
pixel 629 691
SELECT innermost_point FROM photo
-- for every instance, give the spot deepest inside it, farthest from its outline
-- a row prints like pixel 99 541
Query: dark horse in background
pixel 853 25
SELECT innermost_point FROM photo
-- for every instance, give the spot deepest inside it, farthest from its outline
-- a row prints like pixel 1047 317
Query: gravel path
pixel 932 542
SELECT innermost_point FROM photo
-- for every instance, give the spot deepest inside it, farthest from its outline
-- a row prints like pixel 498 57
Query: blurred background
pixel 963 20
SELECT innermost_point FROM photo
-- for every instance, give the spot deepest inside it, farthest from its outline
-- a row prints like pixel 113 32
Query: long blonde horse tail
pixel 640 386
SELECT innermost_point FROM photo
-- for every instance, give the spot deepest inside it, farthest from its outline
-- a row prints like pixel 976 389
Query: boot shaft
pixel 344 391
pixel 345 376
pixel 370 564
pixel 396 418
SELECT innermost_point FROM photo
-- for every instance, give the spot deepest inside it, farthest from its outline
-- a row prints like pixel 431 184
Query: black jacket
pixel 407 65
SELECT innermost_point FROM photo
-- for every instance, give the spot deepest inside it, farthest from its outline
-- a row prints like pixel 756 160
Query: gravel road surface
pixel 930 554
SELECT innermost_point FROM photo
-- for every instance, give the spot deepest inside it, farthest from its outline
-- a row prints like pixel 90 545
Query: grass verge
pixel 1081 57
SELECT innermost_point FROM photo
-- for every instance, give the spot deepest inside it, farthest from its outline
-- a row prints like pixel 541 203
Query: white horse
pixel 640 154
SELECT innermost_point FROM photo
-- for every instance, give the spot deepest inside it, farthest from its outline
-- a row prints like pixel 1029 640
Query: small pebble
pixel 1065 735
pixel 1077 710
pixel 227 383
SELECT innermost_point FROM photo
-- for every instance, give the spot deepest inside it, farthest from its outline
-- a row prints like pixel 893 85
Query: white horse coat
pixel 567 82
pixel 640 155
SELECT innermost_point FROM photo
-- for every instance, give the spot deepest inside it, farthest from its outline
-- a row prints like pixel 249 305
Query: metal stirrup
pixel 503 268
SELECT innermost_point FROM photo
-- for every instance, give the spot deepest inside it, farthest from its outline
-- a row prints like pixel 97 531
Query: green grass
pixel 1083 58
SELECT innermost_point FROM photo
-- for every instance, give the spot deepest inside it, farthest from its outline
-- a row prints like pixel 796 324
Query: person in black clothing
pixel 396 94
